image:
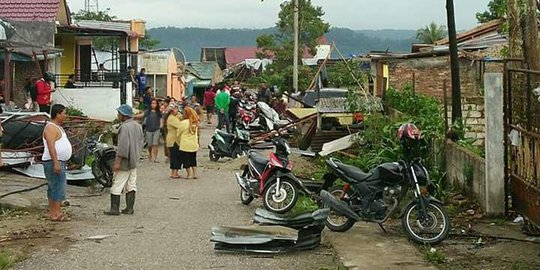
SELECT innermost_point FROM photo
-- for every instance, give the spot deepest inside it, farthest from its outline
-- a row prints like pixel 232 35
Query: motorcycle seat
pixel 259 161
pixel 354 172
pixel 227 136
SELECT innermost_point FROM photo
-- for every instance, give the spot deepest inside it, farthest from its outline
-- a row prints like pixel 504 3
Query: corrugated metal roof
pixel 29 10
pixel 205 70
pixel 333 105
pixel 115 26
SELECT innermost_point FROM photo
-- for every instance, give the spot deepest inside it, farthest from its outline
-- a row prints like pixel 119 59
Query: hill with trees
pixel 190 40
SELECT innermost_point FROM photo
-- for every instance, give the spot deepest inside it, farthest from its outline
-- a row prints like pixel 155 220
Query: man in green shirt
pixel 223 99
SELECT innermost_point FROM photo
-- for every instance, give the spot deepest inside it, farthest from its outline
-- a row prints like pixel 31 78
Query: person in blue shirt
pixel 141 82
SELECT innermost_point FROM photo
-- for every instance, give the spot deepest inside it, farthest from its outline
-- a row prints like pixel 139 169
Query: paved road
pixel 168 233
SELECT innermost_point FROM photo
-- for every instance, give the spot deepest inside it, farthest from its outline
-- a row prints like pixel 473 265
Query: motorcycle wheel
pixel 213 156
pixel 283 202
pixel 245 197
pixel 104 176
pixel 430 230
pixel 336 222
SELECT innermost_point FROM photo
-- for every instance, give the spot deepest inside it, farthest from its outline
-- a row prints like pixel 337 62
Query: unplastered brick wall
pixel 430 74
pixel 473 113
pixel 23 70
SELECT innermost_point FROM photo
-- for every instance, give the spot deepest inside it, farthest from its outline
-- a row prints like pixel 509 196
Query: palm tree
pixel 431 33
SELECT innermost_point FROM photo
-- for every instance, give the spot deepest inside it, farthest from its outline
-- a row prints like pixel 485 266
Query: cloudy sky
pixel 354 14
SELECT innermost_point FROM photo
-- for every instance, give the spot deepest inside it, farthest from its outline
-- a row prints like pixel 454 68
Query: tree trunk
pixel 514 32
pixel 532 39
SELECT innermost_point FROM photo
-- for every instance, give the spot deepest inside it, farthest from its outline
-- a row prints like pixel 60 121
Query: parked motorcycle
pixel 247 113
pixel 375 196
pixel 270 178
pixel 229 145
pixel 104 157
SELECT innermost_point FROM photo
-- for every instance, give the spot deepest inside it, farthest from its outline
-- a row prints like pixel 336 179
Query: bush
pixel 74 111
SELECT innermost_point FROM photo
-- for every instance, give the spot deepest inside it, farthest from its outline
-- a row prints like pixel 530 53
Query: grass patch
pixel 304 205
pixel 8 258
pixel 433 255
pixel 521 265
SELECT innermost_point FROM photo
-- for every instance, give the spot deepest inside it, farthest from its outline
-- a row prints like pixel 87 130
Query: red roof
pixel 29 10
pixel 234 56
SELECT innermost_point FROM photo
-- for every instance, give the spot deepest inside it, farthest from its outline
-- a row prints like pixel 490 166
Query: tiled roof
pixel 29 10
pixel 333 105
pixel 234 56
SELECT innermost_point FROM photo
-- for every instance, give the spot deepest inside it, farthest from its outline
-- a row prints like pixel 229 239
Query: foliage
pixel 74 111
pixel 496 9
pixel 431 33
pixel 424 111
pixel 433 255
pixel 280 44
pixel 340 76
pixel 8 258
pixel 148 43
pixel 303 205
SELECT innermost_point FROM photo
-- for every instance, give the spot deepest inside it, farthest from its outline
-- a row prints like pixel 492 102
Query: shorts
pixel 57 183
pixel 152 137
pixel 188 159
pixel 210 109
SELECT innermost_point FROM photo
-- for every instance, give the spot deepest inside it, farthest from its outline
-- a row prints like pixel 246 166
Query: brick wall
pixel 473 112
pixel 23 70
pixel 430 73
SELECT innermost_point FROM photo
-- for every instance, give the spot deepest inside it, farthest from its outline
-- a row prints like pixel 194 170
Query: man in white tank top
pixel 57 151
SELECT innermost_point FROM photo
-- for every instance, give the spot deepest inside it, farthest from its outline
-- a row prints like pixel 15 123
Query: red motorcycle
pixel 270 178
pixel 247 113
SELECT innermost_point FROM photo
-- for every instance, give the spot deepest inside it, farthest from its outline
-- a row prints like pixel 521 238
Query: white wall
pixel 95 102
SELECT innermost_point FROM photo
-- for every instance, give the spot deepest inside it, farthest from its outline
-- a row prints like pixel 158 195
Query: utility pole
pixel 296 45
pixel 454 63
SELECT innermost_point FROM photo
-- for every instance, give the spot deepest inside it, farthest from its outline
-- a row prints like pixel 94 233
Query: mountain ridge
pixel 350 42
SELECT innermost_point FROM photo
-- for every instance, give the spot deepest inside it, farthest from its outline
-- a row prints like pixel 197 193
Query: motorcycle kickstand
pixel 382 228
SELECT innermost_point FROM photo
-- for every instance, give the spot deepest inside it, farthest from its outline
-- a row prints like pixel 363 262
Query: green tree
pixel 496 9
pixel 431 33
pixel 281 44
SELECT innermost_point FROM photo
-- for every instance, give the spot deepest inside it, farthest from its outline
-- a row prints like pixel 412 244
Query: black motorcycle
pixel 229 145
pixel 376 196
pixel 104 158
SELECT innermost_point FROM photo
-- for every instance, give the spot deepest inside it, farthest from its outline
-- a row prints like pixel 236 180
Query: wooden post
pixel 456 84
pixel 445 90
pixel 7 77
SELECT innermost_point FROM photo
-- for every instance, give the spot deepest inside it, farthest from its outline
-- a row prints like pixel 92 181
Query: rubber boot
pixel 115 206
pixel 130 201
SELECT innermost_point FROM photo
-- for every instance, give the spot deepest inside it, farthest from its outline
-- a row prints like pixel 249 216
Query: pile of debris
pixel 22 141
pixel 273 233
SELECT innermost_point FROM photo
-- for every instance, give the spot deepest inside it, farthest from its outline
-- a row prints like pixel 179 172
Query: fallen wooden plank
pixel 339 144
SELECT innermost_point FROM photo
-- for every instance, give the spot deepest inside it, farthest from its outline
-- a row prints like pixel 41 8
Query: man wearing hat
pixel 128 153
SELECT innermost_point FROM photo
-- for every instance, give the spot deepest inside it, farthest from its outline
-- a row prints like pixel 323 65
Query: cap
pixel 125 110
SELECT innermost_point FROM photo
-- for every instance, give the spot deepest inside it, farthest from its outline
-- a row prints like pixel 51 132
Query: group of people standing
pixel 224 101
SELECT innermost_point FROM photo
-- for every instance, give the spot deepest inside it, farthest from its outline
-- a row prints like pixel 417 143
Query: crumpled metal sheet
pixel 317 217
pixel 36 171
pixel 253 234
pixel 254 239
pixel 274 234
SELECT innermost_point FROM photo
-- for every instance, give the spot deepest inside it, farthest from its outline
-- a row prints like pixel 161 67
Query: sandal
pixel 61 218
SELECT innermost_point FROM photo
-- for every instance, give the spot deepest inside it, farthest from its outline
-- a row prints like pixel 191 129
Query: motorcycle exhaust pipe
pixel 338 206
